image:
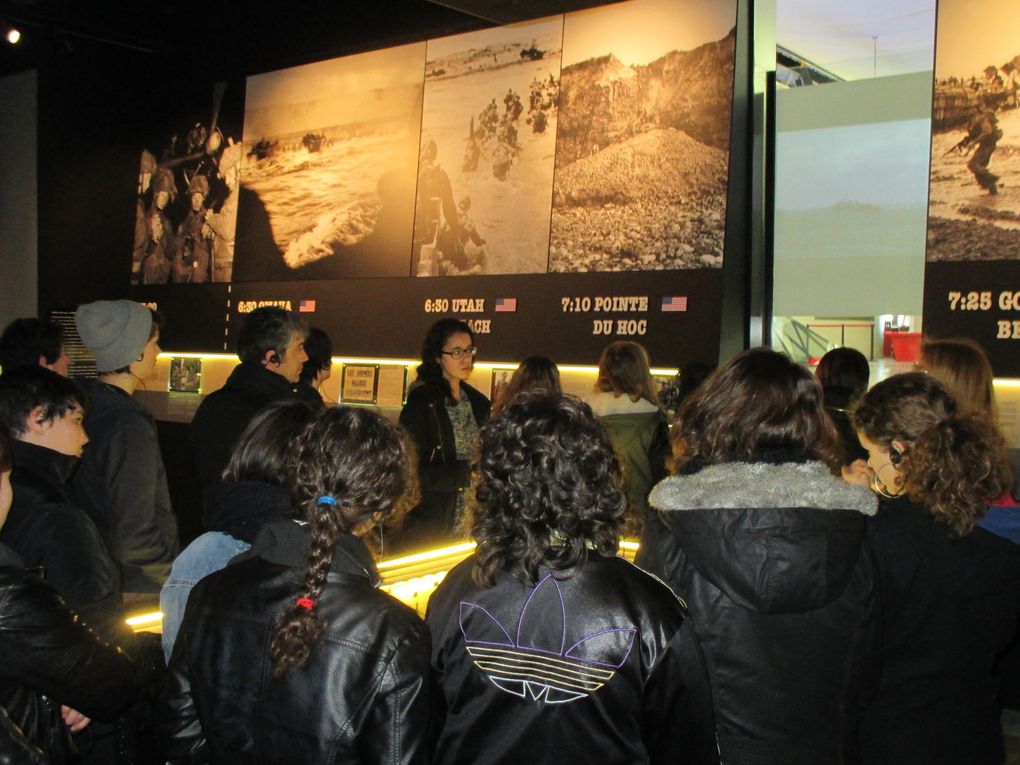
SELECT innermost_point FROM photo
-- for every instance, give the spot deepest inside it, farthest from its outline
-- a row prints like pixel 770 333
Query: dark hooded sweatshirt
pixel 770 560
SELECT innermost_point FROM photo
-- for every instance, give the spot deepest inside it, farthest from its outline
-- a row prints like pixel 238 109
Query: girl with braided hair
pixel 291 654
pixel 949 590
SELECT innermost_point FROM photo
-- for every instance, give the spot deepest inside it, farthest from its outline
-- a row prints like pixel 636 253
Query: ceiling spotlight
pixel 13 36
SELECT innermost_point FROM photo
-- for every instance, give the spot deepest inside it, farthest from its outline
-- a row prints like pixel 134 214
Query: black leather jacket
pixel 49 658
pixel 771 560
pixel 600 667
pixel 362 696
pixel 442 476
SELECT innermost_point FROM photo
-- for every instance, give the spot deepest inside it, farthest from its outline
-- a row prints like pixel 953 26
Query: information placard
pixel 391 384
pixel 357 385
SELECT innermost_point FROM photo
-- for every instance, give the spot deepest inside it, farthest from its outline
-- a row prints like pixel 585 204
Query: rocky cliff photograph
pixel 642 147
pixel 974 189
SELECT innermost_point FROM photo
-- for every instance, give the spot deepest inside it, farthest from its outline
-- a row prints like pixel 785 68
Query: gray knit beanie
pixel 115 331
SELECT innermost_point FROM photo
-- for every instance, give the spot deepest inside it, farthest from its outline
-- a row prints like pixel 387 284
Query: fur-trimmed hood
pixel 776 538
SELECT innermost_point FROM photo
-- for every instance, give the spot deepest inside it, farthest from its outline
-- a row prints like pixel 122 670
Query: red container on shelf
pixel 904 346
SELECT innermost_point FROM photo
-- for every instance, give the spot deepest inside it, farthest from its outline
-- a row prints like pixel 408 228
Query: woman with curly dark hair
pixel 950 590
pixel 766 547
pixel 443 414
pixel 543 640
pixel 291 654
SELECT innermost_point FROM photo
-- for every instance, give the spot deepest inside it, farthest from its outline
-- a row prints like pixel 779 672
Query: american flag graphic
pixel 506 305
pixel 306 306
pixel 674 303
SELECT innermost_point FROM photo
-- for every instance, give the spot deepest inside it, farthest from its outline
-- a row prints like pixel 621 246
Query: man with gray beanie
pixel 121 482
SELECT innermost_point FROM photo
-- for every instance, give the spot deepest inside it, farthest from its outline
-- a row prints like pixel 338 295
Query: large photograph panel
pixel 186 208
pixel 328 177
pixel 974 198
pixel 487 142
pixel 642 152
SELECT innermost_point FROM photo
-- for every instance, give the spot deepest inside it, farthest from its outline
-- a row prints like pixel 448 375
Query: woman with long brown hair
pixel 292 654
pixel 950 591
pixel 766 547
pixel 626 401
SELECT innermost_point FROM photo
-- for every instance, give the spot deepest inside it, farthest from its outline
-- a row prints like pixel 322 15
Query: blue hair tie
pixel 325 499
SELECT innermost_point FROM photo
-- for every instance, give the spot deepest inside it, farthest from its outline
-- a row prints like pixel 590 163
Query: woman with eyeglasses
pixel 949 590
pixel 443 414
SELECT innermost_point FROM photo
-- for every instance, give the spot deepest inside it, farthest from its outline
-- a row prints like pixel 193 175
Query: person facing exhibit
pixel 626 402
pixel 544 641
pixel 342 667
pixel 766 547
pixel 949 590
pixel 121 482
pixel 270 346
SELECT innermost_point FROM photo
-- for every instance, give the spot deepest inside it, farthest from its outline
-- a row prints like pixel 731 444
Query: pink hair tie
pixel 306 603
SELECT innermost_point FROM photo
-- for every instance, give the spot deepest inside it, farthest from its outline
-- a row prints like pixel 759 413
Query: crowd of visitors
pixel 827 572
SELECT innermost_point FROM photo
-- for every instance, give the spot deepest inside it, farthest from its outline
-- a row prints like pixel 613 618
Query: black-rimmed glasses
pixel 459 352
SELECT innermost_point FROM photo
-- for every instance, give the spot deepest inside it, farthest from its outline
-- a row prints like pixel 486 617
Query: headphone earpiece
pixel 895 455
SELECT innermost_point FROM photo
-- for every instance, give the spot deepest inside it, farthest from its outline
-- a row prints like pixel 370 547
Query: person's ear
pixel 896 451
pixel 270 357
pixel 36 422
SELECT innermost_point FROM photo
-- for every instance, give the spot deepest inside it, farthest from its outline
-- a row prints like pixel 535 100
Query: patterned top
pixel 465 427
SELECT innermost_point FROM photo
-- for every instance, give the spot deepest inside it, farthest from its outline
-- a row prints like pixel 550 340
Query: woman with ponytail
pixel 291 654
pixel 950 591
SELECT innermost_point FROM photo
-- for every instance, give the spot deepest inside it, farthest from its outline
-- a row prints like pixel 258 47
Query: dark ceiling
pixel 231 37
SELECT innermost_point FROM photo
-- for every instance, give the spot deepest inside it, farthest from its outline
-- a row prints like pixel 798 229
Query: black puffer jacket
pixel 770 560
pixel 52 534
pixel 949 609
pixel 600 667
pixel 224 414
pixel 48 658
pixel 441 474
pixel 362 696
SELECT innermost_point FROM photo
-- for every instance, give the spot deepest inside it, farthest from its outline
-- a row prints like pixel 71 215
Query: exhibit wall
pixel 17 199
pixel 559 183
pixel 972 273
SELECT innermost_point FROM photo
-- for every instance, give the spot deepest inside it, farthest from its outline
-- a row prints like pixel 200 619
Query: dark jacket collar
pixel 288 543
pixel 256 379
pixel 49 465
pixel 242 509
pixel 9 558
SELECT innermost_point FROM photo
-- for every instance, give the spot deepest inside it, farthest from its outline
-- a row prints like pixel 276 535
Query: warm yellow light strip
pixel 659 371
pixel 384 362
pixel 188 355
pixel 626 544
pixel 1004 383
pixel 153 617
pixel 422 557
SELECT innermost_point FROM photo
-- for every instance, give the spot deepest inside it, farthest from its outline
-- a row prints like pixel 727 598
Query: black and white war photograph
pixel 488 137
pixel 186 208
pixel 642 150
pixel 974 187
pixel 329 168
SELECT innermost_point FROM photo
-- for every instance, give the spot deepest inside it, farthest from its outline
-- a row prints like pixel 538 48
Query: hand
pixel 858 473
pixel 74 719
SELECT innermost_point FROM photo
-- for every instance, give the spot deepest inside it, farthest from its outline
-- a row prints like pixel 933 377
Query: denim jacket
pixel 210 552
